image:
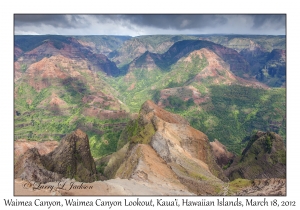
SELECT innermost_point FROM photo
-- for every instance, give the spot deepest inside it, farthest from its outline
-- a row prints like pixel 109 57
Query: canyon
pixel 150 115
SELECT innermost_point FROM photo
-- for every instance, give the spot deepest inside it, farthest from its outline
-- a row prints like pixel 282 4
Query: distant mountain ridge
pixel 183 48
pixel 114 45
pixel 155 115
pixel 70 48
pixel 184 74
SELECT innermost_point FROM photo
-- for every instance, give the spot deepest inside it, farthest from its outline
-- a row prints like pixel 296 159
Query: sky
pixel 148 24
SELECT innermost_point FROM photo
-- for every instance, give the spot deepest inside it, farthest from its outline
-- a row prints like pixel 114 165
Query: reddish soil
pixel 217 68
pixel 17 71
pixel 22 145
pixel 104 114
pixel 184 93
pixel 221 154
pixel 161 113
pixel 131 86
pixel 55 100
pixel 129 77
pixel 17 52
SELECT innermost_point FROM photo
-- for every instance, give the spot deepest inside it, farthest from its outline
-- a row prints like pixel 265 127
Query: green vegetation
pixel 136 133
pixel 100 168
pixel 197 176
pixel 104 144
pixel 229 114
pixel 234 111
pixel 23 67
pixel 37 119
pixel 279 156
pixel 239 184
pixel 177 104
pixel 227 165
pixel 141 92
pixel 144 85
pixel 264 156
pixel 268 144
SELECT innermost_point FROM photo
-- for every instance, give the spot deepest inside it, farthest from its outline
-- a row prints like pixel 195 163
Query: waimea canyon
pixel 150 115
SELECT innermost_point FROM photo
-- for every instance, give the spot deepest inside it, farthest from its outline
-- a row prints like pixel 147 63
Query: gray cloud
pixel 62 21
pixel 175 21
pixel 135 24
pixel 260 21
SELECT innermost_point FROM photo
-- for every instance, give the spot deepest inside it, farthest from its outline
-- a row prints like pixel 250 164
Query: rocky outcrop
pixel 163 155
pixel 222 155
pixel 22 145
pixel 143 164
pixel 30 166
pixel 265 187
pixel 71 159
pixel 173 147
pixel 263 157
